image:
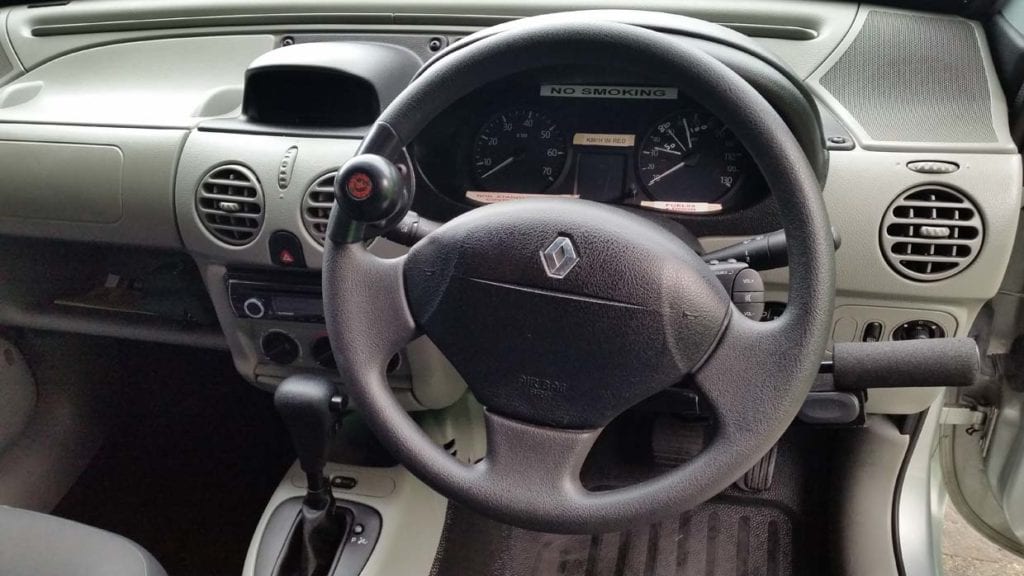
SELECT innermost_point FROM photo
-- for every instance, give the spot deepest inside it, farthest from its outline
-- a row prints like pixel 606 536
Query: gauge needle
pixel 669 150
pixel 685 161
pixel 510 160
pixel 676 138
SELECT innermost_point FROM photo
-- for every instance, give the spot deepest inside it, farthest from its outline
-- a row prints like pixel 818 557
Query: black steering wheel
pixel 561 314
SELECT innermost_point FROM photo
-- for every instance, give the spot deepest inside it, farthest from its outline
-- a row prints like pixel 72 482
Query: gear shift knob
pixel 307 406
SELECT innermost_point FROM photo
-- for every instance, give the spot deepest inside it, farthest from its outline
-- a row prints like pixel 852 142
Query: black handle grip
pixel 372 194
pixel 938 362
pixel 305 404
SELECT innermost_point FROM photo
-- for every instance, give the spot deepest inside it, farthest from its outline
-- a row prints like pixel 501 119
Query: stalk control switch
pixel 763 252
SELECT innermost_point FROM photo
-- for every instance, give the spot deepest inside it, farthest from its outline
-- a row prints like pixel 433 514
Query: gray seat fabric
pixel 34 544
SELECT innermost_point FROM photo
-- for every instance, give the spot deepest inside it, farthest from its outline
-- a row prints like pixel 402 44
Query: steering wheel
pixel 562 314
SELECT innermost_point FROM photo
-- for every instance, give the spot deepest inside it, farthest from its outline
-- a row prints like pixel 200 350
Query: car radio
pixel 262 300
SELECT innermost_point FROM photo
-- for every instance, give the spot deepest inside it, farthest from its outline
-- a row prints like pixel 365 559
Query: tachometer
pixel 690 157
pixel 518 151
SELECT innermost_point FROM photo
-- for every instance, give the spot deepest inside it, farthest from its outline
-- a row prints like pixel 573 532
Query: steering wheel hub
pixel 638 310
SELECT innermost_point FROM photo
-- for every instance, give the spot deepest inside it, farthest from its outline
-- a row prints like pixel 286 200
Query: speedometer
pixel 690 157
pixel 518 151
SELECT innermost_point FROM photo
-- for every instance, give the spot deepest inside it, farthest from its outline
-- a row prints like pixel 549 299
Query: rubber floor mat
pixel 728 536
pixel 715 539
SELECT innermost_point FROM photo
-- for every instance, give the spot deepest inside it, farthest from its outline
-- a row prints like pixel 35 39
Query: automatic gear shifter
pixel 309 406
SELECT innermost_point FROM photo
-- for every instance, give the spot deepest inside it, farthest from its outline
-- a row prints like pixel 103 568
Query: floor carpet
pixel 192 458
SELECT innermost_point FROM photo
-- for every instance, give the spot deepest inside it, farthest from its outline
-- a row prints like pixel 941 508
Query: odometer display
pixel 519 151
pixel 690 157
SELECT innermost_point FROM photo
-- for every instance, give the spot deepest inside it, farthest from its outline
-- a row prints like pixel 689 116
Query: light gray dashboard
pixel 127 96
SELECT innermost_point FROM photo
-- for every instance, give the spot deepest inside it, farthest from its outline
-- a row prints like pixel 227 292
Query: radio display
pixel 291 306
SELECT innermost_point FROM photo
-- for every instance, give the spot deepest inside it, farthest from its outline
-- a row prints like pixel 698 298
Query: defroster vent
pixel 931 233
pixel 230 204
pixel 316 206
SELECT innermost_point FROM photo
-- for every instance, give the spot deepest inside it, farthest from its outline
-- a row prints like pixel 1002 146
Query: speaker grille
pixel 931 233
pixel 915 78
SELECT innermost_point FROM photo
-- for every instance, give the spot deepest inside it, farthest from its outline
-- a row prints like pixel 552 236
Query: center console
pixel 392 522
pixel 396 521
pixel 285 316
pixel 277 554
pixel 253 196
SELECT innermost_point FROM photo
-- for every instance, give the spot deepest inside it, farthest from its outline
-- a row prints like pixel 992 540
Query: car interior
pixel 498 288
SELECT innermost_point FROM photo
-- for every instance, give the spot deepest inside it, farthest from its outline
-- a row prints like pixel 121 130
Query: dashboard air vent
pixel 316 206
pixel 931 233
pixel 230 204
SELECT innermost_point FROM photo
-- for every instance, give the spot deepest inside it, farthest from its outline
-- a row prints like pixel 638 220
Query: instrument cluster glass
pixel 640 145
pixel 690 156
pixel 519 150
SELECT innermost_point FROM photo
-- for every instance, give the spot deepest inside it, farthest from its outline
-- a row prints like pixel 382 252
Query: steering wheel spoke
pixel 369 309
pixel 741 374
pixel 523 454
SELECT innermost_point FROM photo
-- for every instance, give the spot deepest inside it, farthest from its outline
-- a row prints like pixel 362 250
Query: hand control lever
pixel 310 407
pixel 373 196
pixel 938 362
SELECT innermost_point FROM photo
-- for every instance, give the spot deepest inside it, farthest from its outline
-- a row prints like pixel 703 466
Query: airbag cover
pixel 551 342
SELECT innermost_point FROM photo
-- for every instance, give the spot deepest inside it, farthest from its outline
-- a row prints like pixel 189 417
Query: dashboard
pixel 558 135
pixel 137 153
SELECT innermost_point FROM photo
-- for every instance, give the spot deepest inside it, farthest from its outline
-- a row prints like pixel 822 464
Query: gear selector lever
pixel 310 407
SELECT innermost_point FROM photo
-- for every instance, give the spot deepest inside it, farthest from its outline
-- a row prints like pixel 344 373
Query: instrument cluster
pixel 633 144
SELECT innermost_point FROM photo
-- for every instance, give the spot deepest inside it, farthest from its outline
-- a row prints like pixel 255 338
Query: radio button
pixel 254 308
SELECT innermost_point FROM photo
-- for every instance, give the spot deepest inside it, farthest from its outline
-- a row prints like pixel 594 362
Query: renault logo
pixel 559 258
